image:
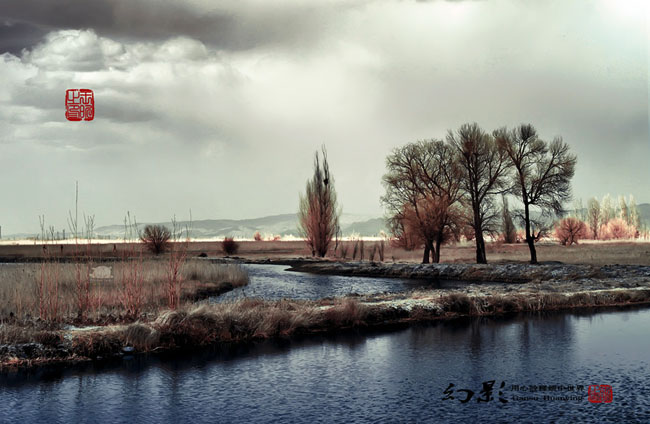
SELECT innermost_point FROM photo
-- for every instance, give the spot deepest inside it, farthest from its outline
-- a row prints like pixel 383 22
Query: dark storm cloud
pixel 16 36
pixel 238 26
pixel 147 19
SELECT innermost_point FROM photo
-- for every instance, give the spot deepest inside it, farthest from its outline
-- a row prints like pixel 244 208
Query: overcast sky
pixel 220 108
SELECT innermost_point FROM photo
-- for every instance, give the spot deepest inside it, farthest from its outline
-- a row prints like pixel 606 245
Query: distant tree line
pixel 600 220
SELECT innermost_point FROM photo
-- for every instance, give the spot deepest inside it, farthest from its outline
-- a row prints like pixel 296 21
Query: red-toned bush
pixel 617 228
pixel 229 246
pixel 570 230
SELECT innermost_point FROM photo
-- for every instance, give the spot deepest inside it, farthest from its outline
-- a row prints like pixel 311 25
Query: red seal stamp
pixel 79 104
pixel 600 394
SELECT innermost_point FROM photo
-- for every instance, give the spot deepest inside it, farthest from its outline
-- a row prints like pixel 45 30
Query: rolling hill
pixel 283 225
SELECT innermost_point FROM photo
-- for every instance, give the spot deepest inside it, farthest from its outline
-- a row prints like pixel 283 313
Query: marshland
pixel 360 211
pixel 62 310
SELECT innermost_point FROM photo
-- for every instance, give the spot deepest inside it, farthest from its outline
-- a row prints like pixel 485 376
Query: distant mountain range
pixel 280 225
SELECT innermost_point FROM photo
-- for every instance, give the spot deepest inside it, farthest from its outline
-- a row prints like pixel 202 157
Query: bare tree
pixel 606 210
pixel 624 212
pixel 485 166
pixel 594 216
pixel 570 230
pixel 579 210
pixel 635 219
pixel 542 177
pixel 422 193
pixel 156 238
pixel 319 213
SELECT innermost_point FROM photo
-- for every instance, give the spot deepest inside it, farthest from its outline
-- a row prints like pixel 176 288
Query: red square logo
pixel 79 105
pixel 600 394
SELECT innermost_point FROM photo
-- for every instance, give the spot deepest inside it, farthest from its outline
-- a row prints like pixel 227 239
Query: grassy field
pixel 636 252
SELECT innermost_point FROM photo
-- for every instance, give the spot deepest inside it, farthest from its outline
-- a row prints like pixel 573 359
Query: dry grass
pixel 19 297
pixel 246 319
pixel 497 304
pixel 252 319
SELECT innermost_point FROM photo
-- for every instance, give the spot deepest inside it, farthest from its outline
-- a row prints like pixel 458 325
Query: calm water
pixel 274 282
pixel 387 377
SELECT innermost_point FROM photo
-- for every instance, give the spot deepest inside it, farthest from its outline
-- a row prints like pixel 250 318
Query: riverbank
pixel 492 292
pixel 622 275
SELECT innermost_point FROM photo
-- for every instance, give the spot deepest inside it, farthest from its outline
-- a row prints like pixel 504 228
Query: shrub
pixel 229 246
pixel 140 336
pixel 257 236
pixel 457 302
pixel 617 228
pixel 156 238
pixel 48 338
pixel 348 312
pixel 570 230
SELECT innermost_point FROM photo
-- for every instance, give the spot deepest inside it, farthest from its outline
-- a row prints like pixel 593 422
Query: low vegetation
pixel 570 230
pixel 156 238
pixel 601 221
pixel 247 320
pixel 229 246
pixel 50 292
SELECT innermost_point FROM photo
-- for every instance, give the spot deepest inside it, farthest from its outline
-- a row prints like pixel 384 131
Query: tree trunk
pixel 529 238
pixel 478 228
pixel 427 250
pixel 436 252
pixel 481 257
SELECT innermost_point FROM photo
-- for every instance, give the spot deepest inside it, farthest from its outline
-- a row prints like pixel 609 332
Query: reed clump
pixel 247 319
pixel 113 298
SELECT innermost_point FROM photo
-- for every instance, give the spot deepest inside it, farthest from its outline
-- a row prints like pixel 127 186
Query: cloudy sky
pixel 219 106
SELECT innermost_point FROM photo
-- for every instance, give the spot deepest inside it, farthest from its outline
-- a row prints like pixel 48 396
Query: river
pixel 275 282
pixel 422 373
